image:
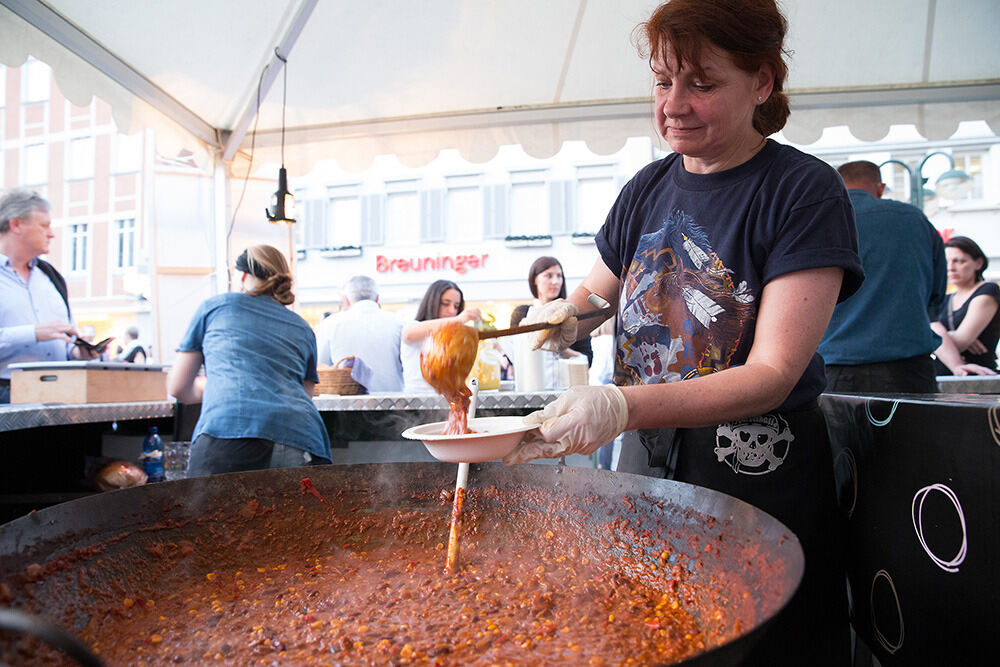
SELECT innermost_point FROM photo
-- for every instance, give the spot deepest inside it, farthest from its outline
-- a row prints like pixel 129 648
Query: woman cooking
pixel 970 316
pixel 260 369
pixel 725 260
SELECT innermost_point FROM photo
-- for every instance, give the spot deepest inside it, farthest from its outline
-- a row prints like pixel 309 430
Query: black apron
pixel 782 464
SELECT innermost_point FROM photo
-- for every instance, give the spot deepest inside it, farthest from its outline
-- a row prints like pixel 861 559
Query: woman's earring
pixel 759 99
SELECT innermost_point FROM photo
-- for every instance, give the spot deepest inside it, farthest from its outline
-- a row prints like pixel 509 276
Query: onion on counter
pixel 119 475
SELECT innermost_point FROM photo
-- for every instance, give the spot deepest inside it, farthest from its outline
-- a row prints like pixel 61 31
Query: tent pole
pixel 273 68
pixel 220 220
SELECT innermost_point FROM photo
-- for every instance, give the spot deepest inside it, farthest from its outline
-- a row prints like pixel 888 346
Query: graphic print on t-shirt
pixel 683 312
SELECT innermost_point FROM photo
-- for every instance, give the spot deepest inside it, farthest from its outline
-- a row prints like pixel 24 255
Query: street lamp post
pixel 956 183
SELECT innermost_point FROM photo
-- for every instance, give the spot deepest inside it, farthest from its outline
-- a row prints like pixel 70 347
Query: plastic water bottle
pixel 152 456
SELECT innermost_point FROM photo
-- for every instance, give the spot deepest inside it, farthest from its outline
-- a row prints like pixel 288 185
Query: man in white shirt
pixel 364 331
pixel 35 321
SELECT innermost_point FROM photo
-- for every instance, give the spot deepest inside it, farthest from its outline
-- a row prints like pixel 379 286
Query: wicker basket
pixel 337 380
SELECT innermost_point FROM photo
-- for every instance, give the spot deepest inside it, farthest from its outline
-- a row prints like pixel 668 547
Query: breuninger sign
pixel 457 263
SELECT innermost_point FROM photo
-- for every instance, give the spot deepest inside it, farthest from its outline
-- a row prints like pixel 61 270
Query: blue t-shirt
pixel 905 280
pixel 257 355
pixel 694 251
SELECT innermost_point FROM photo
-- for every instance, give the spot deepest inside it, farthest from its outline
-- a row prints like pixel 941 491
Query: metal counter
pixel 488 400
pixel 33 415
pixel 48 448
pixel 970 384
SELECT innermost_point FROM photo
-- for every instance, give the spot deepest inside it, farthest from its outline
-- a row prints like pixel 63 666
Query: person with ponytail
pixel 260 370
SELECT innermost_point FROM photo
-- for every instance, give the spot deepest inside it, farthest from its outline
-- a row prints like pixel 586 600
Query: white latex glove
pixel 578 422
pixel 558 338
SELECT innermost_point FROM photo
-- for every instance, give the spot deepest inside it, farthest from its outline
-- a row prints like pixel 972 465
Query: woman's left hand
pixel 560 312
pixel 973 369
pixel 470 315
pixel 578 422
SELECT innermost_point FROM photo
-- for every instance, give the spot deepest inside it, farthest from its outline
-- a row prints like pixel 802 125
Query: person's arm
pixel 794 312
pixel 947 353
pixel 602 282
pixel 414 332
pixel 55 331
pixel 981 310
pixel 183 381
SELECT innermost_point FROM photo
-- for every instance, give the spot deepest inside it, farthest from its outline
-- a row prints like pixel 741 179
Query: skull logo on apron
pixel 754 446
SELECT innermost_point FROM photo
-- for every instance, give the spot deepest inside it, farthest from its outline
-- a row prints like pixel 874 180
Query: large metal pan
pixel 741 557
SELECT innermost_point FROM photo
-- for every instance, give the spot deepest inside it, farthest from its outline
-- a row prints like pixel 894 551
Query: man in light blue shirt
pixel 35 321
pixel 366 332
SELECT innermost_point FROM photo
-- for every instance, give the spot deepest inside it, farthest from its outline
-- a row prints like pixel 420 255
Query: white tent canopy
pixel 414 77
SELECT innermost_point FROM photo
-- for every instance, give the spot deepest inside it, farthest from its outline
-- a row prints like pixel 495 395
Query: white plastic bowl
pixel 493 438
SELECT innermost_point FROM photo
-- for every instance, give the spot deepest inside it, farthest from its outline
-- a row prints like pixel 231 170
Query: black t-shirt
pixel 694 251
pixel 989 336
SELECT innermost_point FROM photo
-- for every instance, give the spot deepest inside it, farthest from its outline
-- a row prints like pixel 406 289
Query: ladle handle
pixel 461 483
pixel 474 398
pixel 50 633
pixel 538 326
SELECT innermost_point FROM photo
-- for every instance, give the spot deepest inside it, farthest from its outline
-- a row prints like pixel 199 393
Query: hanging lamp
pixel 282 208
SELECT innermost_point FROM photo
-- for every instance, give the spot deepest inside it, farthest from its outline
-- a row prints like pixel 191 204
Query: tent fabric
pixel 412 78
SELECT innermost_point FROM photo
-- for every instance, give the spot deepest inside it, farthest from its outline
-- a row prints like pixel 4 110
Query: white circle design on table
pixel 891 648
pixel 879 422
pixel 852 466
pixel 916 511
pixel 993 415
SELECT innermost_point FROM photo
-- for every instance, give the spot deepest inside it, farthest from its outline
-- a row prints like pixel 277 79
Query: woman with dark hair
pixel 260 370
pixel 970 316
pixel 443 302
pixel 725 260
pixel 547 284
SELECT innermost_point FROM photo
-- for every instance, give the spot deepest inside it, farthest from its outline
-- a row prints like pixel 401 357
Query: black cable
pixel 284 100
pixel 246 179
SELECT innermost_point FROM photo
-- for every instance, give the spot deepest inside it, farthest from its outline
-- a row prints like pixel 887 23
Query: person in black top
pixel 970 316
pixel 547 283
pixel 724 261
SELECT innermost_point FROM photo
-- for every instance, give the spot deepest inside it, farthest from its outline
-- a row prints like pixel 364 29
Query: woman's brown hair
pixel 751 32
pixel 268 265
pixel 430 305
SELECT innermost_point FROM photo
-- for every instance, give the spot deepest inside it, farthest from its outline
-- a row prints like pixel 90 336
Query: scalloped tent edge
pixel 593 112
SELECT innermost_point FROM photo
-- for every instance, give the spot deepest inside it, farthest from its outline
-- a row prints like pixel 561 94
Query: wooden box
pixel 81 382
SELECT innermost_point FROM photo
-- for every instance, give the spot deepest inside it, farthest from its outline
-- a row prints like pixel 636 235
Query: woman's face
pixel 708 119
pixel 450 301
pixel 549 283
pixel 961 267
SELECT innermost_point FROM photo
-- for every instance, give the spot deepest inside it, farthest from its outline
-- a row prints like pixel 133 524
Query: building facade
pixel 97 182
pixel 137 243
